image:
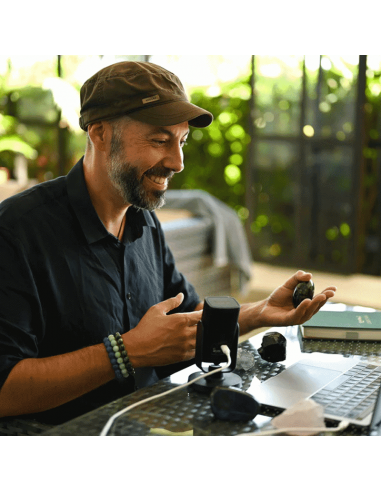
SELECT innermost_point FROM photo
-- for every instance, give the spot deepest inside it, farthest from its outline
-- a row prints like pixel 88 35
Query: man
pixel 83 257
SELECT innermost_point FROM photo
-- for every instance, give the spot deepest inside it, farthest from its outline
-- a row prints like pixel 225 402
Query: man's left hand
pixel 278 309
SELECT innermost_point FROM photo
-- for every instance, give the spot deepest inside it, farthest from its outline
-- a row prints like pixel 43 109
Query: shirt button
pixel 129 296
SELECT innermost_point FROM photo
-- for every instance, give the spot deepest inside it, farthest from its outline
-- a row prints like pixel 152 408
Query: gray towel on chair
pixel 230 245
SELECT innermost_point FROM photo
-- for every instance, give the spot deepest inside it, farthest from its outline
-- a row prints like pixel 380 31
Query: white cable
pixel 225 349
pixel 343 425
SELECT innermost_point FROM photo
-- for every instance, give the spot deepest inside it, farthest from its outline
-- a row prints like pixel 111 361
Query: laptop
pixel 347 388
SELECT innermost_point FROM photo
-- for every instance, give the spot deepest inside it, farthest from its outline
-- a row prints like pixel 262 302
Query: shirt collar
pixel 91 225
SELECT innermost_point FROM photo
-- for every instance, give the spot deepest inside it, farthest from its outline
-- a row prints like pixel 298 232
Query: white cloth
pixel 305 413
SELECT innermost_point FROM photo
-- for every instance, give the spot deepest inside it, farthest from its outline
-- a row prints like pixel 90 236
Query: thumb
pixel 172 303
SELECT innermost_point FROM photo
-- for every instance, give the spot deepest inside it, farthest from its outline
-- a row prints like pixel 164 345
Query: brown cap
pixel 145 91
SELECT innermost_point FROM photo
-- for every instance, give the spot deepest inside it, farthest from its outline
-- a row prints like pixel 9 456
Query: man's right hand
pixel 161 338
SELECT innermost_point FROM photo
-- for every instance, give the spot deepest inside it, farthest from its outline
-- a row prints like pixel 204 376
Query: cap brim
pixel 173 113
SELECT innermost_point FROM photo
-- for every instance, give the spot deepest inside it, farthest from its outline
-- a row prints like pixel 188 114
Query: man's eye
pixel 160 142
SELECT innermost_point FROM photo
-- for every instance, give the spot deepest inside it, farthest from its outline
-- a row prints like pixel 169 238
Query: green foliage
pixel 370 224
pixel 28 126
pixel 215 157
pixel 10 139
pixel 7 124
pixel 15 144
pixel 14 137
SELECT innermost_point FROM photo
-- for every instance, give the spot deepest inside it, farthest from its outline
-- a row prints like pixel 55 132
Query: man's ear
pixel 100 134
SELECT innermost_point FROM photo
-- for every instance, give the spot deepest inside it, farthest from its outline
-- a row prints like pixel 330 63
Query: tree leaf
pixel 15 144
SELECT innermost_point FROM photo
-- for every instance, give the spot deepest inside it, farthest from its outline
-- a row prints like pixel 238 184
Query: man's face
pixel 143 159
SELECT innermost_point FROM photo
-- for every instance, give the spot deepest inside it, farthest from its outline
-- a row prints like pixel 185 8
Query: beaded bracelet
pixel 124 356
pixel 113 360
pixel 118 357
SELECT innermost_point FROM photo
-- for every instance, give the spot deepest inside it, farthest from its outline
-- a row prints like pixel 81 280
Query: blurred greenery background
pixel 294 146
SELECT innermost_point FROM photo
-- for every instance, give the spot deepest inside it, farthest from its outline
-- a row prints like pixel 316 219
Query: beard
pixel 125 178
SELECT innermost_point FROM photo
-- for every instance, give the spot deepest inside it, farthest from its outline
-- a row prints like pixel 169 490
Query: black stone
pixel 304 290
pixel 273 348
pixel 233 404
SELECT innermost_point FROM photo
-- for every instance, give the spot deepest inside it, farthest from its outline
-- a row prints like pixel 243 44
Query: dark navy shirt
pixel 66 282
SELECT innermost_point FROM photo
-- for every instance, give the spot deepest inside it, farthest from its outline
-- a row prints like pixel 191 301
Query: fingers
pixel 183 339
pixel 308 308
pixel 294 280
pixel 189 319
pixel 302 276
pixel 185 319
pixel 172 303
pixel 330 291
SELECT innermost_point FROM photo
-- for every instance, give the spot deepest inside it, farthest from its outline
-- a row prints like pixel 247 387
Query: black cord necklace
pixel 120 228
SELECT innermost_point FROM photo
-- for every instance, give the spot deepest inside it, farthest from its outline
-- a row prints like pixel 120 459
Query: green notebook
pixel 344 325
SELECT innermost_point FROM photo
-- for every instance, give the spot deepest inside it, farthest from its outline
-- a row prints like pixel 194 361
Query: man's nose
pixel 175 159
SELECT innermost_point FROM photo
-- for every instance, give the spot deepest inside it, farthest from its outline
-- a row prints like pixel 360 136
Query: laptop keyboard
pixel 353 394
